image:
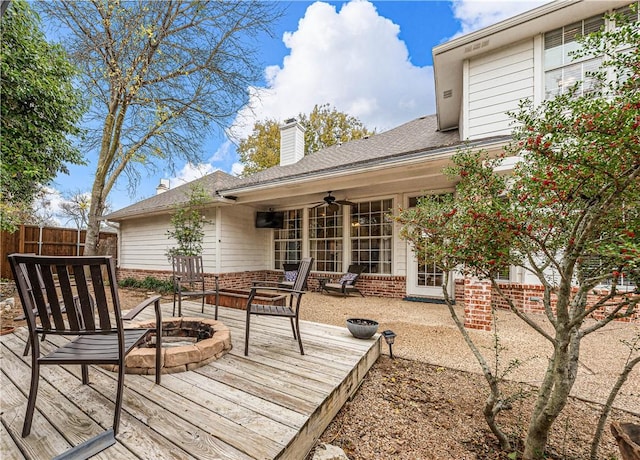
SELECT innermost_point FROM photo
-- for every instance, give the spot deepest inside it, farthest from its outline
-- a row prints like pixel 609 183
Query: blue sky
pixel 371 59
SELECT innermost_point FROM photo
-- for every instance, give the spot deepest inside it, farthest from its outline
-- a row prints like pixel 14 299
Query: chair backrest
pixel 353 273
pixel 71 295
pixel 303 273
pixel 188 269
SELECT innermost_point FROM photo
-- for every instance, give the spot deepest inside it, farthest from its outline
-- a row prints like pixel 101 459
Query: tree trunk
pixel 96 210
pixel 554 392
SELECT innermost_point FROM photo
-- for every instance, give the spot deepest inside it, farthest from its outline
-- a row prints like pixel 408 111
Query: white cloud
pixel 236 169
pixel 476 14
pixel 190 172
pixel 223 153
pixel 351 59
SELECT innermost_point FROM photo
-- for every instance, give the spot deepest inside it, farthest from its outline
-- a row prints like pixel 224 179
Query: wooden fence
pixel 50 241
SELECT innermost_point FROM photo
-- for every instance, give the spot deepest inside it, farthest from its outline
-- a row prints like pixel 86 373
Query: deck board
pixel 273 403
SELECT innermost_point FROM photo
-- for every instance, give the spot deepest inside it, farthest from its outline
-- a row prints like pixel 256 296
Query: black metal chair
pixel 347 283
pixel 290 311
pixel 188 272
pixel 46 284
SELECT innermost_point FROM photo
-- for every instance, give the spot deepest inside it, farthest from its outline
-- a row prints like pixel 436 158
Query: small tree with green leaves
pixel 569 215
pixel 325 126
pixel 188 223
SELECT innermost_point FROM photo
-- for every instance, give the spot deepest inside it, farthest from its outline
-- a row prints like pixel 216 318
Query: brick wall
pixel 477 304
pixel 369 285
pixel 528 298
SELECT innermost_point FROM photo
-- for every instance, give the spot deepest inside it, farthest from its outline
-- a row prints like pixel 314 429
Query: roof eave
pixel 407 158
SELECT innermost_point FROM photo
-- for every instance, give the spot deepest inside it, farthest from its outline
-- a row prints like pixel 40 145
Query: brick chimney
pixel 291 142
pixel 163 186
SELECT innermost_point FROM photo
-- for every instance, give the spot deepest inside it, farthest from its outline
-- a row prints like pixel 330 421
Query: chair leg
pixel 85 374
pixel 116 415
pixel 299 338
pixel 33 393
pixel 174 305
pixel 202 303
pixel 293 328
pixel 246 332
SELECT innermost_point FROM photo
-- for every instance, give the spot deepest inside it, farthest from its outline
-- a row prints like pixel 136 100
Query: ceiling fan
pixel 332 203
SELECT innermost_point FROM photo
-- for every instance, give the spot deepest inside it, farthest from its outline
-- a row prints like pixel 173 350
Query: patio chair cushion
pixel 348 278
pixel 290 275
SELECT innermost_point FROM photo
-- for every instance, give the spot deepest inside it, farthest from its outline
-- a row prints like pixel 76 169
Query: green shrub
pixel 149 283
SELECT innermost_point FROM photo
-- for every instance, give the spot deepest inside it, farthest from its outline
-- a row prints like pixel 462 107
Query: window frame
pixel 378 238
pixel 293 222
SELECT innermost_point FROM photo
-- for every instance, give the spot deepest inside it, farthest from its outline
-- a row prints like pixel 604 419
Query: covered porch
pixel 272 404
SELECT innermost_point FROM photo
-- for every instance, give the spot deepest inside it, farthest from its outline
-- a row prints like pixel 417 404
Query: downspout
pixel 218 243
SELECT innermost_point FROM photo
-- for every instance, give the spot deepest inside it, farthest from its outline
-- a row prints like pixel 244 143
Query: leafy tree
pixel 569 215
pixel 188 224
pixel 40 110
pixel 325 126
pixel 160 75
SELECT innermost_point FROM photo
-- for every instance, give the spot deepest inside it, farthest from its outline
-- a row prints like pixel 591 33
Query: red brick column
pixel 477 304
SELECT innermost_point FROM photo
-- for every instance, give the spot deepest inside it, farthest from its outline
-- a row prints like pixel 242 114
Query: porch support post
pixel 477 304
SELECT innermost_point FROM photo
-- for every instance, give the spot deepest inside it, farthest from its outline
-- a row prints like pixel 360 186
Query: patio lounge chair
pixel 188 273
pixel 94 324
pixel 290 311
pixel 289 275
pixel 347 283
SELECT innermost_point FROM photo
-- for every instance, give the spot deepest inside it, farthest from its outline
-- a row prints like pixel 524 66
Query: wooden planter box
pixel 237 298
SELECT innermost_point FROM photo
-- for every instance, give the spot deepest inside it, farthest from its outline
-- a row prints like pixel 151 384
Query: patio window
pixel 561 71
pixel 371 235
pixel 325 239
pixel 288 240
pixel 503 274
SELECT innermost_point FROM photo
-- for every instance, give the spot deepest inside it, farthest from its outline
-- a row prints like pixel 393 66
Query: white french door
pixel 425 278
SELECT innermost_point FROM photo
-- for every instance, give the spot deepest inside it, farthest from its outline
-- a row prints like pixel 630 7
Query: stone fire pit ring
pixel 179 358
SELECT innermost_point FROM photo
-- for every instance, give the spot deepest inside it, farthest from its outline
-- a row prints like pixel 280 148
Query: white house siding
pixel 242 246
pixel 497 82
pixel 144 243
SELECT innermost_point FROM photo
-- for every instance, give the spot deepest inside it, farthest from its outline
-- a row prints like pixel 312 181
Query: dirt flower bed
pixel 412 410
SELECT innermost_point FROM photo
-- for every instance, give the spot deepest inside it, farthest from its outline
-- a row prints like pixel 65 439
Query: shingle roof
pixel 415 136
pixel 418 136
pixel 166 201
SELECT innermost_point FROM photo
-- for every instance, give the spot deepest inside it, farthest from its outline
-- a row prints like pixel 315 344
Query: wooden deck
pixel 272 404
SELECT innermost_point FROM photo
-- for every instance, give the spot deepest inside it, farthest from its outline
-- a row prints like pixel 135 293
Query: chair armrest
pixel 144 304
pixel 133 313
pixel 269 288
pixel 260 283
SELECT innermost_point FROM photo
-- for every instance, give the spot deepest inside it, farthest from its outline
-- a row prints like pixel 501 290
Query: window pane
pixel 287 242
pixel 371 236
pixel 325 239
pixel 559 44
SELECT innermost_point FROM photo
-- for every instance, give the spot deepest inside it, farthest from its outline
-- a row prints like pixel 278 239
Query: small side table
pixel 322 282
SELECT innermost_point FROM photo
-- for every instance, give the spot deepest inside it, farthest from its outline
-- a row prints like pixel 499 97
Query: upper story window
pixel 325 238
pixel 561 71
pixel 371 235
pixel 288 240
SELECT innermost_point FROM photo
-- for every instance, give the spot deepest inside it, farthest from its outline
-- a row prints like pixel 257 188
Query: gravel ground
pixel 426 333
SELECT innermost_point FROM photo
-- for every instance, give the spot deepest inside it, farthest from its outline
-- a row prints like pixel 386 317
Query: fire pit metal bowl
pixel 362 328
